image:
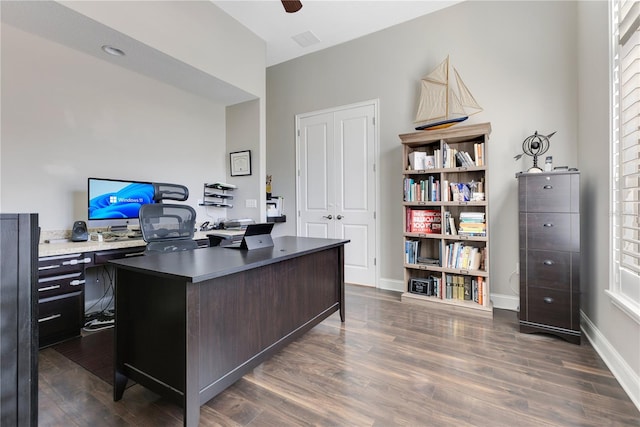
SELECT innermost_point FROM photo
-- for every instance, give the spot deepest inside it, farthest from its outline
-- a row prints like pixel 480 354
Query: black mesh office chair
pixel 168 227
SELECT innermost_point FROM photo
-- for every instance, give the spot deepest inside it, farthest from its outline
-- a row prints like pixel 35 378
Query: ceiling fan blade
pixel 292 6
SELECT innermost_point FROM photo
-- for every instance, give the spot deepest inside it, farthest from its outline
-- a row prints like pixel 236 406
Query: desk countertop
pixel 69 247
pixel 208 263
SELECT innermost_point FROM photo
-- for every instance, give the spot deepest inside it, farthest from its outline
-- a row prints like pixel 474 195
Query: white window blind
pixel 626 156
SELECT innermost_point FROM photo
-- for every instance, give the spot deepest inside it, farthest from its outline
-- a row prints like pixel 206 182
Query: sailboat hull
pixel 442 124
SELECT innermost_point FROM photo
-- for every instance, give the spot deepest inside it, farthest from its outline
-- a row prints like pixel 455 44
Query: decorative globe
pixel 534 146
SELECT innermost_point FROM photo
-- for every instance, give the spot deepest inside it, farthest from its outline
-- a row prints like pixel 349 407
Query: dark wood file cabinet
pixel 549 209
pixel 18 315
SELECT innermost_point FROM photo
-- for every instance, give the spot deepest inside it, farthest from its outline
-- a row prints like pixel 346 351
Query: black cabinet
pixel 18 314
pixel 61 297
pixel 549 209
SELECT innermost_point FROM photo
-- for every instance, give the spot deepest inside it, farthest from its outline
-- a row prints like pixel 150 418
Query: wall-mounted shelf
pixel 281 218
pixel 216 195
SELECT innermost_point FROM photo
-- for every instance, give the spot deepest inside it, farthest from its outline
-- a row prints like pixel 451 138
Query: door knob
pixel 339 217
pixel 328 217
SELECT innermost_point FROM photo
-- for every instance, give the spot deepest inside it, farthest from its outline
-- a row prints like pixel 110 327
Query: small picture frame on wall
pixel 240 163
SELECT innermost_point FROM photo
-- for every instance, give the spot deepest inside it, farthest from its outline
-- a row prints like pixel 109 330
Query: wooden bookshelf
pixel 434 253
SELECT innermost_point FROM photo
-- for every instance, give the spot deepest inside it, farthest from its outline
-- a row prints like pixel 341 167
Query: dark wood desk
pixel 190 324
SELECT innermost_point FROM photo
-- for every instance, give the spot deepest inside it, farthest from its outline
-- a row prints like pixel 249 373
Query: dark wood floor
pixel 390 364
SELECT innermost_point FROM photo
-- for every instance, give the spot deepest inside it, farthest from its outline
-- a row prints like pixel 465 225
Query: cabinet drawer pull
pixel 548 262
pixel 548 225
pixel 77 282
pixel 548 300
pixel 77 261
pixel 548 187
pixel 133 254
pixel 46 319
pixel 49 288
pixel 49 267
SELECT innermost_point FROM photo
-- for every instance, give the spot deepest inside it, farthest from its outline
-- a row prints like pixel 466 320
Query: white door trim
pixel 376 105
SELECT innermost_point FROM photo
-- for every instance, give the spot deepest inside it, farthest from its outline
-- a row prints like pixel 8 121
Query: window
pixel 625 170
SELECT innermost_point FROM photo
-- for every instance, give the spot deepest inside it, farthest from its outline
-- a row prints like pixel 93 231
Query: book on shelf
pixel 411 251
pixel 424 221
pixel 464 159
pixel 449 224
pixel 464 257
pixel 446 192
pixel 445 155
pixel 472 216
pixel 464 288
pixel 472 224
pixel 467 287
pixel 477 288
pixel 478 150
pixel 428 261
pixel 419 160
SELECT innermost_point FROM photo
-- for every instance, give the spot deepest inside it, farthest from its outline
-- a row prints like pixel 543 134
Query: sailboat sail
pixel 467 100
pixel 439 105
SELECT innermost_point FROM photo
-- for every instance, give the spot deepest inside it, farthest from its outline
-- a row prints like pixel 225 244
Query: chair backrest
pixel 164 191
pixel 168 227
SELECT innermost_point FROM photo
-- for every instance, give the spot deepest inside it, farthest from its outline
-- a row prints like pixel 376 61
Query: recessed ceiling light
pixel 112 50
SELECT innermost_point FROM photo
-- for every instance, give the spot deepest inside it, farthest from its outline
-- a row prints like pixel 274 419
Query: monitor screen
pixel 113 199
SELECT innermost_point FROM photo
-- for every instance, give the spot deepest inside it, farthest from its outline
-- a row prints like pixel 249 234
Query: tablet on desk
pixel 255 236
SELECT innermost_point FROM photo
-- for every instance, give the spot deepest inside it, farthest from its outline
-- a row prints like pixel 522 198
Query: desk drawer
pixel 60 284
pixel 60 318
pixel 102 257
pixel 60 264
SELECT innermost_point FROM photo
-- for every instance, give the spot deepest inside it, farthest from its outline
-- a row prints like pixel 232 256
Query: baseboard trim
pixel 628 379
pixel 391 285
pixel 505 302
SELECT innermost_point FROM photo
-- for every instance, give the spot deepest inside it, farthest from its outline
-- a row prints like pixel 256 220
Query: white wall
pixel 517 58
pixel 243 133
pixel 67 116
pixel 615 335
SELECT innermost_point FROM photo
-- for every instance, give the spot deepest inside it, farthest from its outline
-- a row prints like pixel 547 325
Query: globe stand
pixel 534 168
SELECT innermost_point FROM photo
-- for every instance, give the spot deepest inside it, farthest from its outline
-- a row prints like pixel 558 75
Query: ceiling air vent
pixel 306 39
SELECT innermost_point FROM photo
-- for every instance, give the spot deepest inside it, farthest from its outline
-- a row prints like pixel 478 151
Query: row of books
pixel 452 157
pixel 464 288
pixel 457 255
pixel 448 157
pixel 425 190
pixel 464 257
pixel 430 190
pixel 430 221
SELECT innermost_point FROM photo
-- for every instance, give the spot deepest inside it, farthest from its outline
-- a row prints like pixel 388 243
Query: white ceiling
pixel 332 21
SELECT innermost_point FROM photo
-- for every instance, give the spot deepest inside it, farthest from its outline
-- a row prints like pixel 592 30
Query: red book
pixel 425 221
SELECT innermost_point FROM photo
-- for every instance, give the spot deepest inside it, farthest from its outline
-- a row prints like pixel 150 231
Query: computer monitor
pixel 115 203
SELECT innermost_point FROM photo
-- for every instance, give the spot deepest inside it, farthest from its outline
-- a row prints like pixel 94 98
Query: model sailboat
pixel 439 106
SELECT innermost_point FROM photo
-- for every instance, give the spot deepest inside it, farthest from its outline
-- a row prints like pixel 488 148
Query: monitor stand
pixel 118 228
